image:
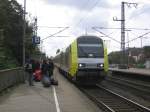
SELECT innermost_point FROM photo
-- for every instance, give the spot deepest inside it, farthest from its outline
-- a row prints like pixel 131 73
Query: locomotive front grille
pixel 91 66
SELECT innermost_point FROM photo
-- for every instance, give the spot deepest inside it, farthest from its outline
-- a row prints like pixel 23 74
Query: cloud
pixel 80 5
pixel 84 22
pixel 80 16
pixel 140 11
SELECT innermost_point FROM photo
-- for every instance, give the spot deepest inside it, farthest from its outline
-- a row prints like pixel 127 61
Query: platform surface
pixel 62 98
pixel 28 99
pixel 71 99
pixel 133 70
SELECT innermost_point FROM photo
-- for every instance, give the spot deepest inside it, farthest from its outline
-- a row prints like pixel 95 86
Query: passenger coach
pixel 84 61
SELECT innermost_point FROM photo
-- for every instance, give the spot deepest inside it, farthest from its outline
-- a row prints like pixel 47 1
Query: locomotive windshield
pixel 90 51
pixel 90 47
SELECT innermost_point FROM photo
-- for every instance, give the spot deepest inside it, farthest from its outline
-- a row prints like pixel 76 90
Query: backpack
pixel 46 81
pixel 28 67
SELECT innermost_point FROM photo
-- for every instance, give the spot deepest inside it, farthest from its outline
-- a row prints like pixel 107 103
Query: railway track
pixel 109 101
pixel 134 81
pixel 130 83
pixel 138 89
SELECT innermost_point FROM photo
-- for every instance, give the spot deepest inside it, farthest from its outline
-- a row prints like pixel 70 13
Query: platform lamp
pixel 23 37
pixel 23 41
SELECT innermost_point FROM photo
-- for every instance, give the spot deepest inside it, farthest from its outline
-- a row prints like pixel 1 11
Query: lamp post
pixel 128 47
pixel 23 37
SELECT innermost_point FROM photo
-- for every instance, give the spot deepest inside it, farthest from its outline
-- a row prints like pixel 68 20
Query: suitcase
pixel 46 81
pixel 38 75
pixel 54 82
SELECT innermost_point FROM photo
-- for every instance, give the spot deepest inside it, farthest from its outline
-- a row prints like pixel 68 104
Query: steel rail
pixel 131 80
pixel 141 87
pixel 112 102
pixel 141 108
pixel 99 103
pixel 138 91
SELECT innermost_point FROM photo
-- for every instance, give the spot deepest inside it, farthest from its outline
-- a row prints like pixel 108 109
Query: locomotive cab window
pixel 90 50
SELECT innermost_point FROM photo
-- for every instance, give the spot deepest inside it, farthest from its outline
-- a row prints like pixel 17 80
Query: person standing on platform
pixel 30 68
pixel 51 75
pixel 45 68
pixel 45 74
pixel 51 67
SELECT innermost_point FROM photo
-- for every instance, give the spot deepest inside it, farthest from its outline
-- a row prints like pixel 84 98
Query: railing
pixel 10 77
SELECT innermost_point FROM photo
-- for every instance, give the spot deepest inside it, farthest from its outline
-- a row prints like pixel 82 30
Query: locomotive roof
pixel 89 39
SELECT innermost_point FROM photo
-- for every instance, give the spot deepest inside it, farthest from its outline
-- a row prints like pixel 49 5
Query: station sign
pixel 36 40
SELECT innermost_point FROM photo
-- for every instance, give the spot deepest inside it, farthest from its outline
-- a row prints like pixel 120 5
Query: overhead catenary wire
pixel 138 14
pixel 146 29
pixel 86 5
pixel 134 34
pixel 55 33
pixel 50 27
pixel 85 16
pixel 106 35
pixel 120 28
pixel 82 12
pixel 138 37
pixel 88 13
pixel 126 29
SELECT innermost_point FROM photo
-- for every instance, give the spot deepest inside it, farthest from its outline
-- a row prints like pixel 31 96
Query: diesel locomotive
pixel 85 61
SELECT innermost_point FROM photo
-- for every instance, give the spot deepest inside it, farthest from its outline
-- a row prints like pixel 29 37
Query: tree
pixel 114 57
pixel 147 51
pixel 11 21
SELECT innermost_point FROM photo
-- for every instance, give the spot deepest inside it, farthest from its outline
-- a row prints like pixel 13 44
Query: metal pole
pixel 141 42
pixel 123 32
pixel 41 50
pixel 36 26
pixel 24 31
pixel 128 50
pixel 127 53
pixel 122 61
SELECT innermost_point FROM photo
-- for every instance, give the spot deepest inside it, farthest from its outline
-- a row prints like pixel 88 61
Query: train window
pixel 90 51
pixel 89 39
pixel 90 45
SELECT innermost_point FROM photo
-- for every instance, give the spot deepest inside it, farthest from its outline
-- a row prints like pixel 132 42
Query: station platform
pixel 137 71
pixel 62 98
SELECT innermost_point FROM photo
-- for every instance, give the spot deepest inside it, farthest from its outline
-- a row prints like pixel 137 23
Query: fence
pixel 10 77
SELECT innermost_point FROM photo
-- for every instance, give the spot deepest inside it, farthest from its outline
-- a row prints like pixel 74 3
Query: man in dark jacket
pixel 45 74
pixel 45 68
pixel 51 67
pixel 30 68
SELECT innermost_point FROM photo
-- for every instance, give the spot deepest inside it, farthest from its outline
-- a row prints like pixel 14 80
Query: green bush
pixel 140 66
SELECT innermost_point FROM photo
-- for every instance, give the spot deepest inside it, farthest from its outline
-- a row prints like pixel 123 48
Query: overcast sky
pixel 81 15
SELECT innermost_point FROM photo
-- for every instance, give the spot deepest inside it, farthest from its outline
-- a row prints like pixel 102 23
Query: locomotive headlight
pixel 100 65
pixel 81 65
